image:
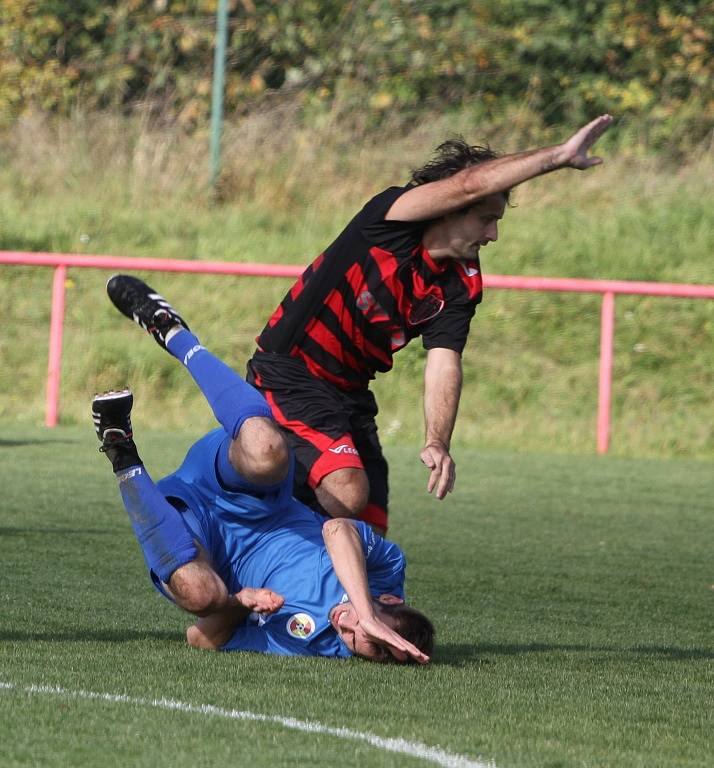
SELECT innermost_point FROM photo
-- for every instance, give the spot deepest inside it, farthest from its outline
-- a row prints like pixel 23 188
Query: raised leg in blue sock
pixel 231 398
pixel 258 453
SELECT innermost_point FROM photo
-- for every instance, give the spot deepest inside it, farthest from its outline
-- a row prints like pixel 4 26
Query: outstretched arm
pixel 345 550
pixel 430 201
pixel 442 391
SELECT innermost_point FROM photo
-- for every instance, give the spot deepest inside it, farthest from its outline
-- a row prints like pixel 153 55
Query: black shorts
pixel 327 428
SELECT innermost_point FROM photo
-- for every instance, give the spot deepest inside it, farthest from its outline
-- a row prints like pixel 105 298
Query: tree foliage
pixel 564 60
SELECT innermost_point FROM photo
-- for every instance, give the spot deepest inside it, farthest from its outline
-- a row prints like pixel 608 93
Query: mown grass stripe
pixel 401 746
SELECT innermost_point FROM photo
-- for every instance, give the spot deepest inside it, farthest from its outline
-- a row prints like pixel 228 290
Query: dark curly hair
pixel 453 156
pixel 412 625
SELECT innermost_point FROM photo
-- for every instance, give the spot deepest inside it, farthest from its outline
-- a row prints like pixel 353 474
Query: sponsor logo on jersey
pixel 344 448
pixel 300 625
pixel 364 301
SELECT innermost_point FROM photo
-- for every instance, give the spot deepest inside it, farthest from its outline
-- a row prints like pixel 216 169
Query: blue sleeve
pixel 386 564
pixel 262 640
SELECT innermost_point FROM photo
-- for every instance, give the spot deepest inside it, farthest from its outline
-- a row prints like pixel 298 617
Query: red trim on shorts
pixel 320 440
pixel 340 454
pixel 375 515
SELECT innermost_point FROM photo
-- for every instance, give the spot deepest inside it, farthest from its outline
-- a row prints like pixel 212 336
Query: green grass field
pixel 572 597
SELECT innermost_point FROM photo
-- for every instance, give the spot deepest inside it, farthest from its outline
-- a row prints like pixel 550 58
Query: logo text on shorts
pixel 344 448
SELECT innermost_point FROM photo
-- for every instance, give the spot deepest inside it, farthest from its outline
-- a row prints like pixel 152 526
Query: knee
pixel 260 452
pixel 344 493
pixel 198 589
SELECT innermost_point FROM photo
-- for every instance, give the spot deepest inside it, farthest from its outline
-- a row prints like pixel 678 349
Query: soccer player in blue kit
pixel 224 539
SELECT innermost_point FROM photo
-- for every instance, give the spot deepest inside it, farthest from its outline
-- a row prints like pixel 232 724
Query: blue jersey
pixel 260 536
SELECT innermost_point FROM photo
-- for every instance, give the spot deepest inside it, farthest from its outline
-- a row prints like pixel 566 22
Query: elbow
pixel 472 183
pixel 333 526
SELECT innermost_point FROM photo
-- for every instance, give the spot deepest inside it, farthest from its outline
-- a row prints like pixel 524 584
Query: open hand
pixel 378 632
pixel 259 600
pixel 436 457
pixel 575 149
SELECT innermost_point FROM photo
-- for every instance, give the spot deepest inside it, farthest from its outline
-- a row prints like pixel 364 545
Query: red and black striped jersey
pixel 373 290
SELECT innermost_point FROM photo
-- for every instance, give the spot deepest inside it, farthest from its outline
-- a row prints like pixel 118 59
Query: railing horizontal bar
pixel 511 282
pixel 149 264
pixel 577 285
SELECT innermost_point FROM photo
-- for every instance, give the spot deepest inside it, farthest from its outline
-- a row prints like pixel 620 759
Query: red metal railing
pixel 608 289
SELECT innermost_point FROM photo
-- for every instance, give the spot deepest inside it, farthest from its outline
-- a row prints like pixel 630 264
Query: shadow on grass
pixel 10 531
pixel 89 636
pixel 44 441
pixel 461 655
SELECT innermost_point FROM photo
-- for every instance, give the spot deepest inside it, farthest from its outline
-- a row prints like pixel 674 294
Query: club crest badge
pixel 300 625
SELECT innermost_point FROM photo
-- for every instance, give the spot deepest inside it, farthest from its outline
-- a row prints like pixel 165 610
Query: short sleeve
pixel 450 328
pixel 386 563
pixel 398 237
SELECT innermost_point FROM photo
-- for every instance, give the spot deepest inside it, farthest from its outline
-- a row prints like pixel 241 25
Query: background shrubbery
pixel 648 62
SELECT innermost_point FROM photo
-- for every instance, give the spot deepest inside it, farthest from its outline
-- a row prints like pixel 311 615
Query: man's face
pixel 468 231
pixel 346 622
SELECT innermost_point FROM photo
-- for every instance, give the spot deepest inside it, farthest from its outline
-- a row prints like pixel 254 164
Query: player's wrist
pixel 436 442
pixel 557 157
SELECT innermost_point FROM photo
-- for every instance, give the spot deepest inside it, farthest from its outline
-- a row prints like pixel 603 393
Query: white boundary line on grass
pixel 402 746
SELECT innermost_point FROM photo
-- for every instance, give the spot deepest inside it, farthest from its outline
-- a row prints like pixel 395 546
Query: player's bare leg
pixel 344 492
pixel 260 452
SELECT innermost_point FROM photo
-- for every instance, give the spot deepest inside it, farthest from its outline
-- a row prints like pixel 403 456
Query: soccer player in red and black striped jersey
pixel 407 265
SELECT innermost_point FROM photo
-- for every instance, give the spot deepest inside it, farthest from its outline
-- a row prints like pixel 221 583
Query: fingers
pixel 403 654
pixel 260 600
pixel 398 655
pixel 590 133
pixel 400 648
pixel 443 470
pixel 447 478
pixel 598 126
pixel 579 144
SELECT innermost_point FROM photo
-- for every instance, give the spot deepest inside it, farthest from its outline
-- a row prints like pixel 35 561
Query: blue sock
pixel 164 538
pixel 232 399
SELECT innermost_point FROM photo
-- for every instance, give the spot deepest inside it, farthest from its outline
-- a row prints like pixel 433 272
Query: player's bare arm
pixel 344 547
pixel 438 198
pixel 442 391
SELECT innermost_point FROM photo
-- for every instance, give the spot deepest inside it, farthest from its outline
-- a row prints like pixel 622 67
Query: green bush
pixel 564 61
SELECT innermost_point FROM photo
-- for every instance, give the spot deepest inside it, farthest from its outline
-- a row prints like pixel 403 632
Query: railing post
pixel 54 364
pixel 607 330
